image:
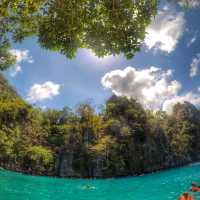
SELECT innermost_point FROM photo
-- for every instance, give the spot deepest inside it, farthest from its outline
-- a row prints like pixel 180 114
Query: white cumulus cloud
pixel 40 92
pixel 192 41
pixel 189 97
pixel 165 30
pixel 189 3
pixel 22 56
pixel 152 87
pixel 194 67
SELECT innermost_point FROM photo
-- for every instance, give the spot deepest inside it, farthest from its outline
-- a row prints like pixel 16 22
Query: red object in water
pixel 195 189
pixel 186 197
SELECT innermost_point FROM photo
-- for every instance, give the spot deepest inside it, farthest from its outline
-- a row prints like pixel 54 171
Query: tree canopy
pixel 104 26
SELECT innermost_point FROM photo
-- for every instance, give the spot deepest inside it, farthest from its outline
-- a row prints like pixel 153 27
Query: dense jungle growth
pixel 123 139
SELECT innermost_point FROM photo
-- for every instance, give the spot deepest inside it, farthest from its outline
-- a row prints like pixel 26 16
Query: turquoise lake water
pixel 158 186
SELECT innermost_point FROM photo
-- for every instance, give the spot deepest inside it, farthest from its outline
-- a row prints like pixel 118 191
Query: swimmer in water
pixel 88 187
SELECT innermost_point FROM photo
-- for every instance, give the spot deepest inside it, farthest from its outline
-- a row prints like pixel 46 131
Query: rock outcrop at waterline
pixel 122 140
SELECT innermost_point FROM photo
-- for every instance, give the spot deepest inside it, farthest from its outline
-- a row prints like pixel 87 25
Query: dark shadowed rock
pixel 64 164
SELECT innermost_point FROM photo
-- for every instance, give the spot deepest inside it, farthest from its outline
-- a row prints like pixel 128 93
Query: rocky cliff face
pixel 64 164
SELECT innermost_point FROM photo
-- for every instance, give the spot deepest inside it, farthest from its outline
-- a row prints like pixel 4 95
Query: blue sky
pixel 49 79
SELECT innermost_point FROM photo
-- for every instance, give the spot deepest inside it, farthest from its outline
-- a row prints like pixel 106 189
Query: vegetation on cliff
pixel 123 139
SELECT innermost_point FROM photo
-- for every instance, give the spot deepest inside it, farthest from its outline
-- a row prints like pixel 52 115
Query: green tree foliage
pixel 127 115
pixel 104 26
pixel 6 91
pixel 123 139
pixel 6 58
pixel 38 158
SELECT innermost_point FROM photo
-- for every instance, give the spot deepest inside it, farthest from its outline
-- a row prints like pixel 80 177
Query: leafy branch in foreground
pixel 104 26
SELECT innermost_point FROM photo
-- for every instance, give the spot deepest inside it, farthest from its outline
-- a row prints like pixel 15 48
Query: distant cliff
pixel 123 139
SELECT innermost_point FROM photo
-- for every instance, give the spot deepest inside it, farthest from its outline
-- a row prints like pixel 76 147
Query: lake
pixel 163 185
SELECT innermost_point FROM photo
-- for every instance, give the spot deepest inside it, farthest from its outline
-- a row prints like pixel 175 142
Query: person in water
pixel 195 187
pixel 88 187
pixel 186 196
